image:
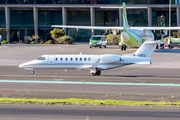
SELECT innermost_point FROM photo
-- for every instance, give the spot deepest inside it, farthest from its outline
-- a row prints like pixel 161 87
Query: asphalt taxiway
pixel 164 70
pixel 72 112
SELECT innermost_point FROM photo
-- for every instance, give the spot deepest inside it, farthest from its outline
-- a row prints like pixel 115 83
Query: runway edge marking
pixel 86 83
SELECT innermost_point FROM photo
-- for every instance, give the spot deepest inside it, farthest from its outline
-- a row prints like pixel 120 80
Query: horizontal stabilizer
pixel 146 49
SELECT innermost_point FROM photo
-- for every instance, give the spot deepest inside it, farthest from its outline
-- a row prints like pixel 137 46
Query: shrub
pixel 175 34
pixel 26 40
pixel 4 42
pixel 113 39
pixel 49 42
pixel 41 41
pixel 178 34
pixel 64 40
pixel 33 42
pixel 30 39
pixel 57 33
pixel 166 38
pixel 4 31
pixel 15 42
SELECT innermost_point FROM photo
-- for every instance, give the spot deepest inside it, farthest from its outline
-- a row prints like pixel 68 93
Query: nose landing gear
pixel 32 73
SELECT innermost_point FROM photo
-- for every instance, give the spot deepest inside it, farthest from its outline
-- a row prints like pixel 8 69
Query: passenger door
pixel 51 59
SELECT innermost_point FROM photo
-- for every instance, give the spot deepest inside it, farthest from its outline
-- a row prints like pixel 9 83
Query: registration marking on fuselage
pixel 86 83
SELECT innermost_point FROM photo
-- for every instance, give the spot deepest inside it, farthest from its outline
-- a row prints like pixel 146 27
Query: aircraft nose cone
pixel 124 36
pixel 21 65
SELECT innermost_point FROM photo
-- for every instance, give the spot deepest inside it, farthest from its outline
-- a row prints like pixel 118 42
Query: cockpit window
pixel 41 58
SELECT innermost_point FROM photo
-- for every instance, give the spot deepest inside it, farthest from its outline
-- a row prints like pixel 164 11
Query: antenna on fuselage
pixel 80 53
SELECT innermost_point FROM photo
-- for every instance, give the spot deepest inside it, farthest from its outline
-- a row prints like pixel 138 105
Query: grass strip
pixel 87 102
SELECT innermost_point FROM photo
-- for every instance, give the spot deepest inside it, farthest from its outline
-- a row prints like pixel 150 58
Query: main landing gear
pixel 98 73
pixel 123 47
pixel 32 73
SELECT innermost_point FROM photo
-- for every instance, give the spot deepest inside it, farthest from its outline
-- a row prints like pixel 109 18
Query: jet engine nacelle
pixel 110 58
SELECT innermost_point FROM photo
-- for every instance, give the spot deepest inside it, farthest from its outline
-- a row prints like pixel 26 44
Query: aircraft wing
pixel 95 65
pixel 117 28
pixel 88 27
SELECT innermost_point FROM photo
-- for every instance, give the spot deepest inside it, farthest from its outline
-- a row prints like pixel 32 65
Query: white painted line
pixel 61 49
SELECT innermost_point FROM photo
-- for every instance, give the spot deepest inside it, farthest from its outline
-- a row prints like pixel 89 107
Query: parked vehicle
pixel 173 42
pixel 98 41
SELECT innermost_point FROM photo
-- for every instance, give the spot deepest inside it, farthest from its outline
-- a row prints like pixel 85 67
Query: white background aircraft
pixel 94 63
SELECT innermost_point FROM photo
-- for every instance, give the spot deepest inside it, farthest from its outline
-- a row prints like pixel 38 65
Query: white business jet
pixel 94 63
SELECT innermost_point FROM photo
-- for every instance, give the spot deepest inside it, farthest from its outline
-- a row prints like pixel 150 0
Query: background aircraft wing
pixel 117 28
pixel 156 28
pixel 88 27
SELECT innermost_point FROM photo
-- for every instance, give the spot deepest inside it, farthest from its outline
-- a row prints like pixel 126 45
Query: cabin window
pixel 84 59
pixel 66 59
pixel 41 58
pixel 61 59
pixel 80 59
pixel 76 59
pixel 71 59
pixel 89 59
pixel 56 59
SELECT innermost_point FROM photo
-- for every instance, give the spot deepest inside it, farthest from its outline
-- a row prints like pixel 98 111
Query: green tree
pixel 178 34
pixel 57 33
pixel 175 34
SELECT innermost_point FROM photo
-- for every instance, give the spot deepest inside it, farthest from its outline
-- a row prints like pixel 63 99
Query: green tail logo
pixel 125 22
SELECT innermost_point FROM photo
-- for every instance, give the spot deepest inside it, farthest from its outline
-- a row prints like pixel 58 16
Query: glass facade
pixel 106 18
pixel 157 13
pixel 21 24
pixel 21 19
pixel 88 1
pixel 2 1
pixel 19 34
pixel 20 1
pixel 136 1
pixel 46 18
pixel 137 17
pixel 80 18
pixel 45 34
pixel 2 18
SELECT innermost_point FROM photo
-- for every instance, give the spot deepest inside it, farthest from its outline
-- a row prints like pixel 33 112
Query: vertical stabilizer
pixel 146 49
pixel 125 22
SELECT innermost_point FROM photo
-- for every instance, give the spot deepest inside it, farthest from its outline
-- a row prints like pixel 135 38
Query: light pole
pixel 169 18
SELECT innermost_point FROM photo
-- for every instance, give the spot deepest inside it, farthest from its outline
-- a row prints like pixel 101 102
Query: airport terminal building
pixel 28 17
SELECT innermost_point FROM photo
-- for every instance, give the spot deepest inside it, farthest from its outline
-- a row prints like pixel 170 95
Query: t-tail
pixel 147 48
pixel 125 22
